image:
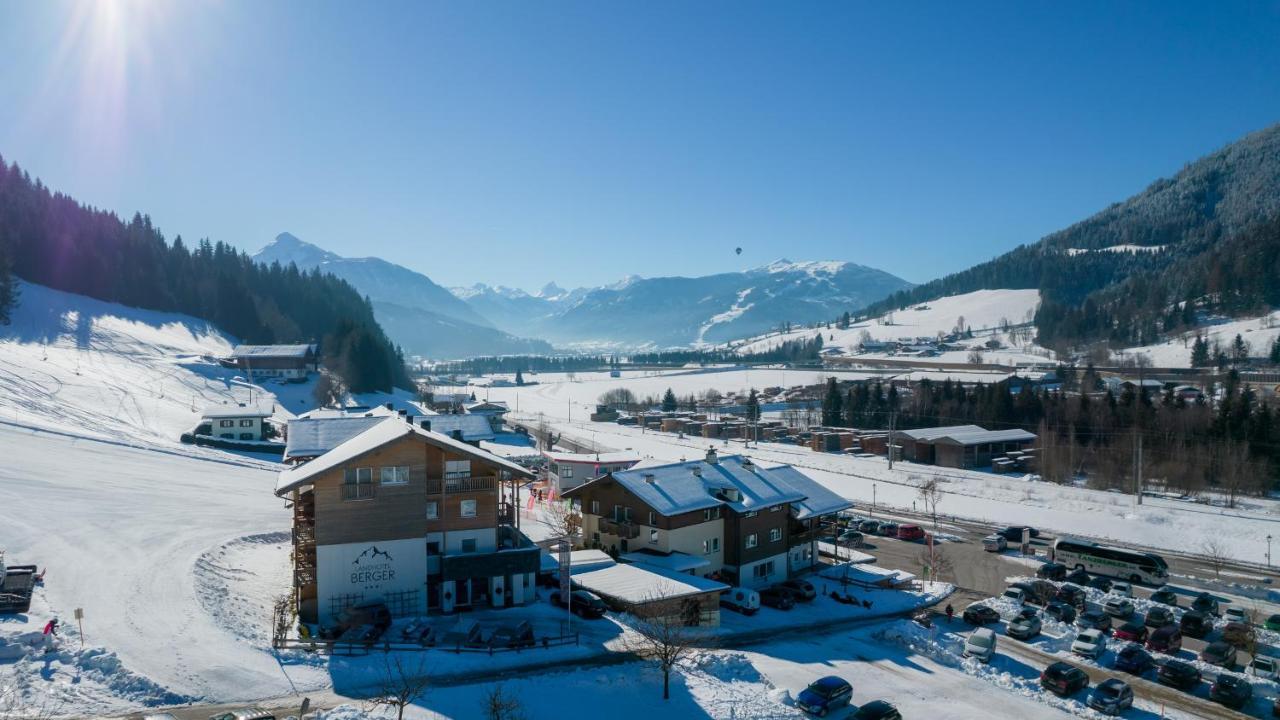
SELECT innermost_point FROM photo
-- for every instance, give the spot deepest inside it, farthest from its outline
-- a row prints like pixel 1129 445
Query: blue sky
pixel 517 143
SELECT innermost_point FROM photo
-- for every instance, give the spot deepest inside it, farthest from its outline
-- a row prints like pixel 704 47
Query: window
pixel 226 423
pixel 246 423
pixel 454 469
pixel 566 471
pixel 433 547
pixel 653 518
pixel 626 514
pixel 469 545
pixel 357 484
pixel 617 513
pixel 752 541
pixel 653 537
pixel 710 546
pixel 711 513
pixel 467 508
pixel 763 570
pixel 404 602
pixel 246 436
pixel 595 507
pixel 433 510
pixel 775 535
pixel 395 475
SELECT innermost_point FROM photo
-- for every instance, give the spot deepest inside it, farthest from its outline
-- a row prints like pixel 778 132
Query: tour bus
pixel 1134 566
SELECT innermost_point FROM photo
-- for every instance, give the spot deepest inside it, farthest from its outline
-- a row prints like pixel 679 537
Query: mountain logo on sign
pixel 372 553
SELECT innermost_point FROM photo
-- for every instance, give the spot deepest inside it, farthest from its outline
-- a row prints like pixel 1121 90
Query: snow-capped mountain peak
pixel 287 248
pixel 808 267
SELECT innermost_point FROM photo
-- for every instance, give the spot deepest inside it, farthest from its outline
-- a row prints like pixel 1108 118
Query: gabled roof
pixel 936 432
pixel 310 437
pixel 486 405
pixel 609 458
pixel 387 431
pixel 237 411
pixel 634 584
pixel 987 436
pixel 818 500
pixel 473 427
pixel 251 351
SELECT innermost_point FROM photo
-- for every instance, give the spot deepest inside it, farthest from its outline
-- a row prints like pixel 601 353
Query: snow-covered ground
pixel 1259 332
pixel 999 499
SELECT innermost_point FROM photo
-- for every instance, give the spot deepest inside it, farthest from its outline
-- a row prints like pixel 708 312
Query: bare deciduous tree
pixel 665 635
pixel 563 519
pixel 936 562
pixel 329 390
pixel 975 357
pixel 402 686
pixel 1215 554
pixel 930 492
pixel 498 704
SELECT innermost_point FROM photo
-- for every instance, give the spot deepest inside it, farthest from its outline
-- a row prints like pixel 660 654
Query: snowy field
pixel 1158 523
pixel 1259 332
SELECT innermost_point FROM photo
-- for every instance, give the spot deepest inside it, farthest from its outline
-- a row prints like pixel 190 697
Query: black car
pixel 1078 577
pixel 1178 674
pixel 1060 611
pixel 375 614
pixel 1072 595
pixel 517 635
pixel 1231 691
pixel 1052 571
pixel 1097 582
pixel 1134 660
pixel 877 710
pixel 803 590
pixel 1195 624
pixel 1094 620
pixel 980 615
pixel 581 603
pixel 1206 604
pixel 1220 653
pixel 1165 596
pixel 1013 533
pixel 778 598
pixel 1158 617
pixel 1063 679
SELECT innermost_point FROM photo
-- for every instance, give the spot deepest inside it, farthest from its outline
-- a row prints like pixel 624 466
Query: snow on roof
pixel 609 458
pixel 349 411
pixel 675 488
pixel 296 351
pixel 866 573
pixel 375 437
pixel 677 562
pixel 237 411
pixel 579 561
pixel 818 499
pixel 312 436
pixel 987 436
pixel 633 584
pixel 934 433
pixel 473 427
pixel 486 405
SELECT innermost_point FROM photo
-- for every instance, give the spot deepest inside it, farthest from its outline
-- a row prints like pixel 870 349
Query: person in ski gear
pixel 950 612
pixel 50 632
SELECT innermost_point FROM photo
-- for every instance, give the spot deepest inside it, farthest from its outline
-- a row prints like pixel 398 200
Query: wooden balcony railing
pixel 623 529
pixel 462 484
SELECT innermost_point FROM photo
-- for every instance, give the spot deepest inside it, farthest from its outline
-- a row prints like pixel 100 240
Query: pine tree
pixel 1200 353
pixel 8 289
pixel 1275 351
pixel 832 405
pixel 753 406
pixel 519 379
pixel 669 403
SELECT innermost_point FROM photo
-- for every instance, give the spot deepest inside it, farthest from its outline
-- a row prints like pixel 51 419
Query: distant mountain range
pixel 427 319
pixel 1205 240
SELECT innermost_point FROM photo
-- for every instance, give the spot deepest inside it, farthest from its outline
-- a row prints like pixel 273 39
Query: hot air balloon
pixel 738 250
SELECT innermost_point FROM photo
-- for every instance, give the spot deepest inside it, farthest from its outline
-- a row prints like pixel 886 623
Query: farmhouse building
pixel 292 362
pixel 236 422
pixel 411 517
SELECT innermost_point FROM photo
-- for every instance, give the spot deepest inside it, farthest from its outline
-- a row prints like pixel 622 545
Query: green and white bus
pixel 1139 567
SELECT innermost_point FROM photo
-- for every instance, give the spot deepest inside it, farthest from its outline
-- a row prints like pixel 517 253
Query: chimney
pixel 456 435
pixel 390 406
pixel 712 458
pixel 649 478
pixel 407 418
pixel 402 412
pixel 746 462
pixel 425 425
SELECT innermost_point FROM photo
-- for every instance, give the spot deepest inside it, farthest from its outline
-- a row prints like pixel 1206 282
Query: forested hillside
pixel 1207 239
pixel 50 239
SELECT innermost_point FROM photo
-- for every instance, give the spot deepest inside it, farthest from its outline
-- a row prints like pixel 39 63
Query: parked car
pixel 994 543
pixel 1014 594
pixel 1120 607
pixel 1024 627
pixel 1133 631
pixel 419 631
pixel 1063 679
pixel 1264 668
pixel 246 714
pixel 1079 576
pixel 1072 595
pixel 1195 624
pixel 1207 604
pixel 370 613
pixel 778 598
pixel 1112 696
pixel 1158 617
pixel 870 527
pixel 824 695
pixel 1273 623
pixel 1237 614
pixel 1094 620
pixel 1237 633
pixel 1123 589
pixel 910 532
pixel 1167 640
pixel 1097 582
pixel 1231 691
pixel 1052 571
pixel 1165 595
pixel 802 589
pixel 981 644
pixel 1060 611
pixel 1013 533
pixel 977 614
pixel 1036 592
pixel 465 634
pixel 360 635
pixel 1220 653
pixel 889 529
pixel 1089 643
pixel 515 635
pixel 877 710
pixel 850 538
pixel 740 599
pixel 1178 674
pixel 582 603
pixel 1134 660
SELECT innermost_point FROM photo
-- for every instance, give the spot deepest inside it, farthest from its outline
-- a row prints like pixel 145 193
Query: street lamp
pixel 1268 552
pixel 873 499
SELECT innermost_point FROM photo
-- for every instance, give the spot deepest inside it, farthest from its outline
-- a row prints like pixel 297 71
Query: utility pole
pixel 893 416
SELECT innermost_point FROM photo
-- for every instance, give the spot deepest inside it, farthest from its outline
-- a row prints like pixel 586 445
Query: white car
pixel 1123 589
pixel 994 543
pixel 1119 607
pixel 1090 643
pixel 1236 614
pixel 981 644
pixel 1264 668
pixel 1016 595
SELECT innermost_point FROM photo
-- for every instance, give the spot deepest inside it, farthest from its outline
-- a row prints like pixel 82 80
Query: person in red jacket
pixel 50 632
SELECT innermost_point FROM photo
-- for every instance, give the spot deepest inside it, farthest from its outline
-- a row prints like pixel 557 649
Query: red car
pixel 910 532
pixel 1133 631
